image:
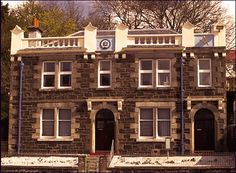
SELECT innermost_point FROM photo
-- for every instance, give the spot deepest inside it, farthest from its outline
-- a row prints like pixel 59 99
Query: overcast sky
pixel 229 4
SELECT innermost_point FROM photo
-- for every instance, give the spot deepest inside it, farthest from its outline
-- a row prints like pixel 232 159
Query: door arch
pixel 204 130
pixel 104 130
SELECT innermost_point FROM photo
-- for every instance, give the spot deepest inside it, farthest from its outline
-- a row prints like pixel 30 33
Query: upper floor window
pixel 145 73
pixel 65 72
pixel 104 74
pixel 56 123
pixel 52 78
pixel 154 122
pixel 163 73
pixel 204 73
pixel 48 76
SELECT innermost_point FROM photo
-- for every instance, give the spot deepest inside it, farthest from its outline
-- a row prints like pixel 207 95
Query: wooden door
pixel 104 130
pixel 204 130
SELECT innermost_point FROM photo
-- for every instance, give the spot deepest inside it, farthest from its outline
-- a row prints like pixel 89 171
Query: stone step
pixel 92 164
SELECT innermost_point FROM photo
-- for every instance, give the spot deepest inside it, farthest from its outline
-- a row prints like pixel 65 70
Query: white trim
pixel 153 124
pixel 48 73
pixel 104 72
pixel 155 136
pixel 64 73
pixel 56 136
pixel 162 71
pixel 145 72
pixel 163 120
pixel 204 71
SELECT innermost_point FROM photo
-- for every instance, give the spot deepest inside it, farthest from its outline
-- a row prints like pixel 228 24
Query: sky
pixel 229 4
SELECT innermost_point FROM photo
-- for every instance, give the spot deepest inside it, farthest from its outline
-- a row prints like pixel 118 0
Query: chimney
pixel 34 31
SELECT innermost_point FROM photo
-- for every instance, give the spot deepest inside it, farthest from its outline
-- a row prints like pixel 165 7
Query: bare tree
pixel 164 14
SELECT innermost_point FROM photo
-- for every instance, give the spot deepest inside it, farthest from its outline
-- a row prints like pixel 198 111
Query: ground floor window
pixel 154 122
pixel 56 123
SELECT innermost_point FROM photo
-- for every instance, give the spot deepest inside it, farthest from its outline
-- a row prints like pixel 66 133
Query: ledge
pixel 56 89
pixel 150 140
pixel 56 139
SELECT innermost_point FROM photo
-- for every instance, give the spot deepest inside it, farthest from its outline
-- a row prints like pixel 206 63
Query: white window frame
pixel 64 73
pixel 56 125
pixel 204 71
pixel 145 72
pixel 162 71
pixel 153 124
pixel 162 120
pixel 48 73
pixel 104 72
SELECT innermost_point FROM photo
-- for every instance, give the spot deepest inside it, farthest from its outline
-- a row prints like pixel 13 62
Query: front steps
pixel 97 163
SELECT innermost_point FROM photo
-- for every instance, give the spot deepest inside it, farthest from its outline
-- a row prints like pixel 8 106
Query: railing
pixel 163 39
pixel 53 42
pixel 111 153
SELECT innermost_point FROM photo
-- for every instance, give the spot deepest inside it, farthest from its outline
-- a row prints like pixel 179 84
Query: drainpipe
pixel 21 65
pixel 182 102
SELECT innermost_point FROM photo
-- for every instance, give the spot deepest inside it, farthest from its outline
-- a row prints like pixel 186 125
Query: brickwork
pixel 125 74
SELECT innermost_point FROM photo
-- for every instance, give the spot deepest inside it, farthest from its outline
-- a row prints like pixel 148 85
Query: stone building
pixel 82 93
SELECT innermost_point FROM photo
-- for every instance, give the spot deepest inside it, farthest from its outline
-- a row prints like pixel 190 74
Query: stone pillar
pixel 17 34
pixel 188 35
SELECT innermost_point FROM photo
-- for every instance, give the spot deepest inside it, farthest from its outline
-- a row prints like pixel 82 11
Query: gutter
pixel 21 66
pixel 182 103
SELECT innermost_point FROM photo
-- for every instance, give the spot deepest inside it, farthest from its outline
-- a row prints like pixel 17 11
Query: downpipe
pixel 21 66
pixel 182 103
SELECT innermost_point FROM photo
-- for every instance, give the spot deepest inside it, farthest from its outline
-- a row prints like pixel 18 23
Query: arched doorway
pixel 104 125
pixel 204 130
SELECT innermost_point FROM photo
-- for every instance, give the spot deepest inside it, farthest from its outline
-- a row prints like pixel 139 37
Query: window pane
pixel 65 66
pixel 204 64
pixel 48 128
pixel 146 128
pixel 163 113
pixel 146 114
pixel 146 65
pixel 164 79
pixel 64 128
pixel 48 114
pixel 65 80
pixel 64 114
pixel 49 67
pixel 105 80
pixel 105 65
pixel 163 65
pixel 49 80
pixel 205 79
pixel 164 128
pixel 146 79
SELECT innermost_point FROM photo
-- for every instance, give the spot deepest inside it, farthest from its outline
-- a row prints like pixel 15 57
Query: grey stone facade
pixel 124 86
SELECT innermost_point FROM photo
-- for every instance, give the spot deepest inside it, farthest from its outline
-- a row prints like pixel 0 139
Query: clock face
pixel 105 44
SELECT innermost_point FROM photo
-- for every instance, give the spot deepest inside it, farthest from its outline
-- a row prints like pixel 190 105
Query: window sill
pixel 55 89
pixel 55 139
pixel 151 139
pixel 156 88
